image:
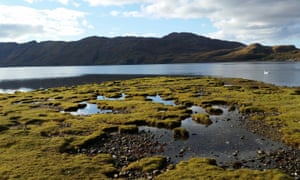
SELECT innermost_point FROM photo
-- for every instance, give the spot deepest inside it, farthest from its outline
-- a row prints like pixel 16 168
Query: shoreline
pixel 69 81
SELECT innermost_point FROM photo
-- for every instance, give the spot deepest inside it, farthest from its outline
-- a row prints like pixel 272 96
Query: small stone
pixel 122 173
pixel 182 151
pixel 260 152
pixel 235 153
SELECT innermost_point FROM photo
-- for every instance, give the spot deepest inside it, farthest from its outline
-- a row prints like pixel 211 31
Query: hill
pixel 173 48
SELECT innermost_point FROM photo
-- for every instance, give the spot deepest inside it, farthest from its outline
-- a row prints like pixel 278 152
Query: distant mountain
pixel 173 48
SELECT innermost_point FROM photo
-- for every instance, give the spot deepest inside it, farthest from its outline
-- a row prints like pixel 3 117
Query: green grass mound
pixel 201 168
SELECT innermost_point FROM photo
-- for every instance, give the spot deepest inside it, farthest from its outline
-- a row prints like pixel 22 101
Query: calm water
pixel 286 74
pixel 219 140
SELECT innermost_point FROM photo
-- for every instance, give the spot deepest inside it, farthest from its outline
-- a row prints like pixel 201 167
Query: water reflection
pixel 225 140
pixel 197 109
pixel 286 73
pixel 158 99
pixel 12 91
pixel 19 73
pixel 90 109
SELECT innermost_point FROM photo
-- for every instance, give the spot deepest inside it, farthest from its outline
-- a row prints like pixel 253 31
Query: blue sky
pixel 270 22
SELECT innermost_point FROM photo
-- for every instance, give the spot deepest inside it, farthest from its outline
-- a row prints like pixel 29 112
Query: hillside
pixel 173 48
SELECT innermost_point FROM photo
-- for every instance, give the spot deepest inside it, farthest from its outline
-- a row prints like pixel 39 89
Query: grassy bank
pixel 37 132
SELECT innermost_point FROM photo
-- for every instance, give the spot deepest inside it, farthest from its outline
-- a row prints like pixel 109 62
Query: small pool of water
pixel 90 109
pixel 225 139
pixel 158 99
pixel 197 109
pixel 112 99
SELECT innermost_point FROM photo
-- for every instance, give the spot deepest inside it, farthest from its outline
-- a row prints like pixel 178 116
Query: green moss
pixel 214 111
pixel 3 128
pixel 147 164
pixel 130 129
pixel 180 133
pixel 215 102
pixel 202 118
pixel 169 124
pixel 200 168
pixel 86 141
pixel 250 109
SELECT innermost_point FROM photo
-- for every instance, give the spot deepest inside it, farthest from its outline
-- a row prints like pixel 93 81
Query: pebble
pixel 235 153
pixel 182 151
pixel 127 148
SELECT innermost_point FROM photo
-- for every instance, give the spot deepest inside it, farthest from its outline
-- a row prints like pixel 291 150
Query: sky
pixel 269 22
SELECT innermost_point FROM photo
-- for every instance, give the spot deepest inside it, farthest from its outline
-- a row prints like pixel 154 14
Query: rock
pixel 260 152
pixel 182 151
pixel 235 153
pixel 237 164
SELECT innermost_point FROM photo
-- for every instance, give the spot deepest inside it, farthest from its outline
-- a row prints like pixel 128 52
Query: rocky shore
pixel 286 158
pixel 128 148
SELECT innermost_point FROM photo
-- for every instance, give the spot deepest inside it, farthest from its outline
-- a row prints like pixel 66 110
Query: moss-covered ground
pixel 35 136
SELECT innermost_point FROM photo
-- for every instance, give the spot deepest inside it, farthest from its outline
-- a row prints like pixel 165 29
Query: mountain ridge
pixel 173 48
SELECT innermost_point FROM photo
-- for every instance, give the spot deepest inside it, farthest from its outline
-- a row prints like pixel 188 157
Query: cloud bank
pixel 19 23
pixel 253 20
pixel 267 21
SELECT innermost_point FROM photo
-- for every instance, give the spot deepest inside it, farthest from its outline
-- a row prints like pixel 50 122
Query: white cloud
pixel 65 2
pixel 19 23
pixel 32 1
pixel 249 21
pixel 114 2
pixel 141 35
pixel 115 13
